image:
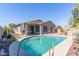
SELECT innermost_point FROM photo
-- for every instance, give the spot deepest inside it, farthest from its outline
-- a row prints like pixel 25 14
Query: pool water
pixel 38 45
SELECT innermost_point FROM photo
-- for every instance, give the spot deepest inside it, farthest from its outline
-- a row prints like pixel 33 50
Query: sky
pixel 22 12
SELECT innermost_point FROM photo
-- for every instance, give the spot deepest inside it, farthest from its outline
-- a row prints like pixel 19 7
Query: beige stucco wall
pixel 17 30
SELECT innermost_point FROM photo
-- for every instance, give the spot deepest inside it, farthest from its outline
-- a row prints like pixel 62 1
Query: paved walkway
pixel 72 51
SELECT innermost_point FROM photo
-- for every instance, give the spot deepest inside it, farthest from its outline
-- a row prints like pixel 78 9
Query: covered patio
pixel 33 29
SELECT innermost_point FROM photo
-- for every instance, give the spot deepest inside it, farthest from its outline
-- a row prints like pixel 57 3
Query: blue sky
pixel 18 13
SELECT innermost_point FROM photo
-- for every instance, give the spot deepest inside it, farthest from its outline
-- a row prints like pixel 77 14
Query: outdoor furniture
pixel 2 53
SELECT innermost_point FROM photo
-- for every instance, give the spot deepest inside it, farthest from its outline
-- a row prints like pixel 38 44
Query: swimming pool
pixel 38 45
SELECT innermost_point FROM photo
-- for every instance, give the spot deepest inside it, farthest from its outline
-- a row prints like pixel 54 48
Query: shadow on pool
pixel 27 50
pixel 16 49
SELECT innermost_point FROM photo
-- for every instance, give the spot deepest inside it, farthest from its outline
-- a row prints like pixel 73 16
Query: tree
pixel 74 22
pixel 9 27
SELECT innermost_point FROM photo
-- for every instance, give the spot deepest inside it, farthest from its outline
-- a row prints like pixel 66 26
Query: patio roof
pixel 35 22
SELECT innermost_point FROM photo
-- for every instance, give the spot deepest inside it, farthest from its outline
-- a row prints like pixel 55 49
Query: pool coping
pixel 42 35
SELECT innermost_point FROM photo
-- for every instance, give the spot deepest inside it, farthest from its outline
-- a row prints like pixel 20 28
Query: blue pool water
pixel 38 45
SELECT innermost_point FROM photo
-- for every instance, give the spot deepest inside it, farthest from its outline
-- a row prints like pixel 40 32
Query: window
pixel 45 29
pixel 37 28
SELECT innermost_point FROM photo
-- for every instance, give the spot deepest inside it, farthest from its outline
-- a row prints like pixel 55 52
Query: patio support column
pixel 34 29
pixel 40 30
pixel 26 30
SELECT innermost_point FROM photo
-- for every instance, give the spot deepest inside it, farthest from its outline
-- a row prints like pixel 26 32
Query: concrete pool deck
pixel 73 50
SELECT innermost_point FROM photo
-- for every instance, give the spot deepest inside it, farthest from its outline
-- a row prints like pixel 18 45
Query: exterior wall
pixel 22 27
pixel 49 25
pixel 17 30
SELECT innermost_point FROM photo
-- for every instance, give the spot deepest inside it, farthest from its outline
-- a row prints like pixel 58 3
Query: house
pixel 35 27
